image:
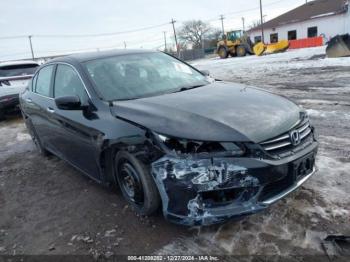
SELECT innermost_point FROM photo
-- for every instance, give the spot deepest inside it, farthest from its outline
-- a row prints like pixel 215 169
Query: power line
pixel 243 11
pixel 107 34
pixel 14 37
pixel 255 8
pixel 89 35
pixel 14 54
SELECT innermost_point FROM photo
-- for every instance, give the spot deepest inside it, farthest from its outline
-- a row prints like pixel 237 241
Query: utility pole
pixel 222 24
pixel 177 47
pixel 262 24
pixel 31 46
pixel 165 41
pixel 243 21
pixel 202 42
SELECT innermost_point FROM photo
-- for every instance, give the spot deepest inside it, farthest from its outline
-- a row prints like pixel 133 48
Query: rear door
pixel 74 135
pixel 40 105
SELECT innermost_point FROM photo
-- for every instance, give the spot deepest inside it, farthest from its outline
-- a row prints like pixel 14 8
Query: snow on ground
pixel 292 59
pixel 14 138
pixel 297 224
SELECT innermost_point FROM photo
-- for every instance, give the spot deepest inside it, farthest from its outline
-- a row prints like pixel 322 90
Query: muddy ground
pixel 47 207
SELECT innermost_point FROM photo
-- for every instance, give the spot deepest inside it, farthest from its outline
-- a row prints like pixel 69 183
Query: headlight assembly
pixel 185 146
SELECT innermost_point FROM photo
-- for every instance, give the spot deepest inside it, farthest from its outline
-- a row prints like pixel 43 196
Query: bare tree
pixel 192 32
pixel 255 23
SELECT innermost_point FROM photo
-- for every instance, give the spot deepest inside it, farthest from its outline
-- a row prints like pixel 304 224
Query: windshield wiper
pixel 185 88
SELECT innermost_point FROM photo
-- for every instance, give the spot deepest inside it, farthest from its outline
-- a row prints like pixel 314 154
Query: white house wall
pixel 329 26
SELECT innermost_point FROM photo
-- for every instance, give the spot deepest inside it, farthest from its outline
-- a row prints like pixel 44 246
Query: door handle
pixel 29 100
pixel 50 110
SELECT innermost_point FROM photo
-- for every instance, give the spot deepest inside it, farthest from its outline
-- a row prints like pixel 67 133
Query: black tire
pixel 222 52
pixel 241 51
pixel 41 149
pixel 136 183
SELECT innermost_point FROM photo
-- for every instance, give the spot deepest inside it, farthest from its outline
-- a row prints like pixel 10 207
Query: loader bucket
pixel 259 49
pixel 262 49
pixel 280 46
pixel 339 46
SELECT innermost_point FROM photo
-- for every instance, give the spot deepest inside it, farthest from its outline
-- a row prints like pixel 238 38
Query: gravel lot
pixel 47 207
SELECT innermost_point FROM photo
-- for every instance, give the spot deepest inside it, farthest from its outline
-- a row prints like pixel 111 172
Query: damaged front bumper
pixel 210 191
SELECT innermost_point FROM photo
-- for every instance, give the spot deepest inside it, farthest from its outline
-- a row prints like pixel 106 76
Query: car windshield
pixel 135 76
pixel 17 70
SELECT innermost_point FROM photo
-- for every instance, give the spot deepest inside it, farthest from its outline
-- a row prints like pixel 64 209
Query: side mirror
pixel 68 103
pixel 205 72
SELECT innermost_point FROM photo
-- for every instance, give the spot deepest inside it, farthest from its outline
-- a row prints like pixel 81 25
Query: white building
pixel 326 18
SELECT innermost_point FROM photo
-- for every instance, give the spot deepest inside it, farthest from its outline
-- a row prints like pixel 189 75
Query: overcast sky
pixel 69 17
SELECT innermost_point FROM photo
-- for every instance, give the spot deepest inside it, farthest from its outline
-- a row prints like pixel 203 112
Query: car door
pixel 74 137
pixel 40 105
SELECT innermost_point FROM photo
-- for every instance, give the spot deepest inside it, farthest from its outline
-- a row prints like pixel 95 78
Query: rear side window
pixel 43 81
pixel 68 83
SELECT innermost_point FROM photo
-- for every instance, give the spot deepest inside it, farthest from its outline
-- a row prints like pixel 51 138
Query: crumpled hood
pixel 217 112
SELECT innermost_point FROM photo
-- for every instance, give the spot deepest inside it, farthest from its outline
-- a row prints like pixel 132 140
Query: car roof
pixel 20 62
pixel 84 57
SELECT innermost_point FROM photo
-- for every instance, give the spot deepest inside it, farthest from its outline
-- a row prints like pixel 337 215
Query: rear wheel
pixel 136 183
pixel 241 51
pixel 222 52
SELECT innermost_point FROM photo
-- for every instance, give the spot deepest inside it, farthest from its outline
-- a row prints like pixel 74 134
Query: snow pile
pixel 257 66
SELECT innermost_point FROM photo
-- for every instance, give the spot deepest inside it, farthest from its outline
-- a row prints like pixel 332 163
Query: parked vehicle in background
pixel 169 135
pixel 14 78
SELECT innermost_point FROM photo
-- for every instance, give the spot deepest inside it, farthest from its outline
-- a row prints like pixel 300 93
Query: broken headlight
pixel 185 146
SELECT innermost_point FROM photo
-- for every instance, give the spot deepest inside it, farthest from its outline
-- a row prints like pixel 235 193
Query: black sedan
pixel 169 135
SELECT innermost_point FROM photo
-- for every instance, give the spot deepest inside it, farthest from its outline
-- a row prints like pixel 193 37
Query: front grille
pixel 283 144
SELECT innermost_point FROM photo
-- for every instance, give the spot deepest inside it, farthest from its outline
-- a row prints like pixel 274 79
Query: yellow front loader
pixel 238 43
pixel 234 43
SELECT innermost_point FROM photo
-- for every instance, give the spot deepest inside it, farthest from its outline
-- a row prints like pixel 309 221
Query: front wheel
pixel 241 51
pixel 136 183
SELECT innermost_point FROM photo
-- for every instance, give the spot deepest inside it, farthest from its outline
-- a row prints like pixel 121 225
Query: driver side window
pixel 68 83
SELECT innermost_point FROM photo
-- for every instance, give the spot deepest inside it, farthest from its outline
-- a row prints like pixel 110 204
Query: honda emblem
pixel 294 137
